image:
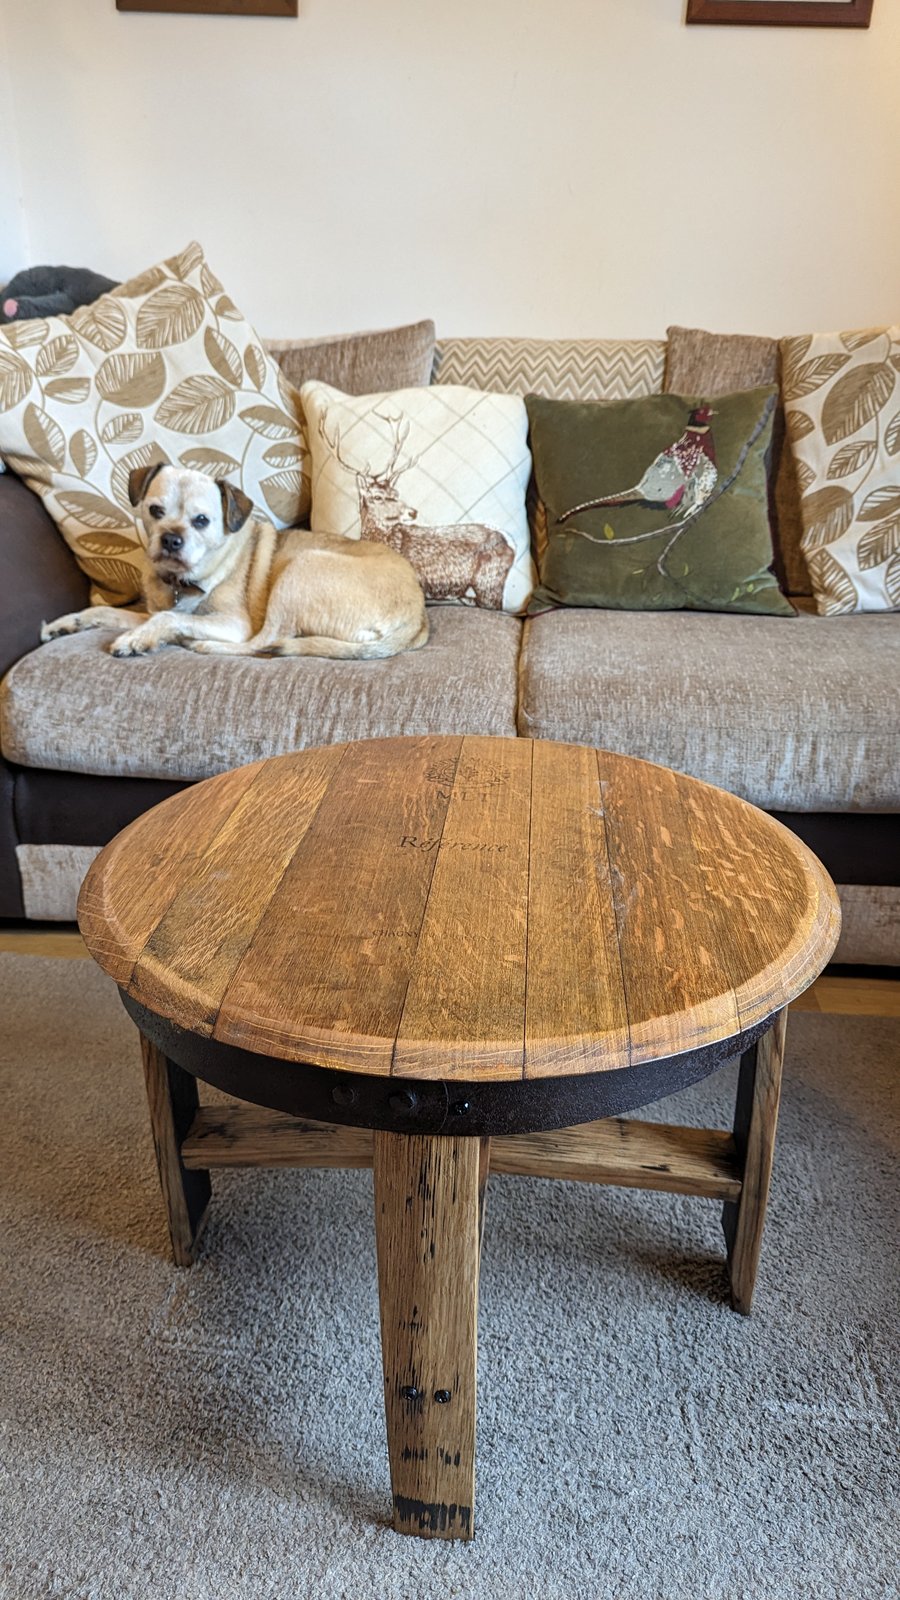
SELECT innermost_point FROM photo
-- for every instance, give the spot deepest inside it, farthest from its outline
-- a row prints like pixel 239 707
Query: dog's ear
pixel 140 479
pixel 236 506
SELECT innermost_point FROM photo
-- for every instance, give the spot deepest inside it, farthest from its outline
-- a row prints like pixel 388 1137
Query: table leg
pixel 755 1121
pixel 173 1100
pixel 428 1203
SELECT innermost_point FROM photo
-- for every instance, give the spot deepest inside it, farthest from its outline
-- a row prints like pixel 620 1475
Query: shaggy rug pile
pixel 218 1434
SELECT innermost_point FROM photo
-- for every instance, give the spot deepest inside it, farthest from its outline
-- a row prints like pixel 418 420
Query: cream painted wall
pixel 13 245
pixel 506 166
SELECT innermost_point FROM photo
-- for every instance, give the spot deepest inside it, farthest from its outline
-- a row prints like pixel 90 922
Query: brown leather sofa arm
pixel 39 578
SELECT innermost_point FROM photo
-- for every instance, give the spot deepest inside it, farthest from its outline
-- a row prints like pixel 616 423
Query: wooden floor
pixel 844 996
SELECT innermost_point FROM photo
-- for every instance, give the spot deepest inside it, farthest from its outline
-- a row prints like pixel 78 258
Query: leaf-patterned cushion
pixel 842 398
pixel 164 368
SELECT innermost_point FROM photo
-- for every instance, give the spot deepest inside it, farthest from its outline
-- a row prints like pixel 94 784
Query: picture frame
pixel 783 13
pixel 231 8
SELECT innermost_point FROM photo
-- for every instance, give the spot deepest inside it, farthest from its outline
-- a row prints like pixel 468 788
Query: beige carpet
pixel 218 1434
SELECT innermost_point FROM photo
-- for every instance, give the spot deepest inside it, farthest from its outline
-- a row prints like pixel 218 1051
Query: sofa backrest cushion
pixel 557 369
pixel 165 368
pixel 360 363
pixel 842 392
pixel 701 363
pixel 656 504
pixel 437 474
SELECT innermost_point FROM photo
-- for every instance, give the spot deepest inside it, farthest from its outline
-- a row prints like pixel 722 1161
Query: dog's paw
pixel 136 643
pixel 209 647
pixel 62 625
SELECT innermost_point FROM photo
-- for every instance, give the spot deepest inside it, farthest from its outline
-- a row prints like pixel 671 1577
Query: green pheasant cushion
pixel 656 504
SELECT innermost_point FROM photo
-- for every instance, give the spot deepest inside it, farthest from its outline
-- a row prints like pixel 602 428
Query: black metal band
pixel 415 1105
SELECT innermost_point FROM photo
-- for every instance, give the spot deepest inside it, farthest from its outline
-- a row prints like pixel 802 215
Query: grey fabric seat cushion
pixel 72 707
pixel 794 714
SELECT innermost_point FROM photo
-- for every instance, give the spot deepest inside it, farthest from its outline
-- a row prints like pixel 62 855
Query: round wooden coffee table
pixel 456 955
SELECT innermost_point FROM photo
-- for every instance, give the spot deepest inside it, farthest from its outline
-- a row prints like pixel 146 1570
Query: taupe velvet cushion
pixel 359 363
pixel 799 716
pixel 704 363
pixel 70 706
pixel 697 361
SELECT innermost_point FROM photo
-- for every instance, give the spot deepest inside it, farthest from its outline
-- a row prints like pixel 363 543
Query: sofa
pixel 799 715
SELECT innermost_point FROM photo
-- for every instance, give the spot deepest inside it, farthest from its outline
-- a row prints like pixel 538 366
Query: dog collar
pixel 173 581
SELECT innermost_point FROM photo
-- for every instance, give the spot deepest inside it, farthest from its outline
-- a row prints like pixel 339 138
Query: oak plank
pixel 464 1014
pixel 139 873
pixel 249 1136
pixel 855 997
pixel 755 1124
pixel 627 1154
pixel 576 1018
pixel 326 976
pixel 427 1210
pixel 187 963
pixel 678 994
pixel 172 1099
pixel 768 902
pixel 615 1151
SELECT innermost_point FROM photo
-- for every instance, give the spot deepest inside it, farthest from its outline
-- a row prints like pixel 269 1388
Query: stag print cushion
pixel 165 368
pixel 439 474
pixel 842 397
pixel 657 504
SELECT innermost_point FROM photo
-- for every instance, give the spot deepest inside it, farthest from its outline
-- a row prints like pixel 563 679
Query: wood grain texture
pixel 144 867
pixel 446 908
pixel 327 976
pixel 679 994
pixel 465 1005
pixel 574 965
pixel 862 996
pixel 755 1124
pixel 427 1228
pixel 627 1154
pixel 616 1151
pixel 205 931
pixel 172 1098
pixel 759 891
pixel 248 1136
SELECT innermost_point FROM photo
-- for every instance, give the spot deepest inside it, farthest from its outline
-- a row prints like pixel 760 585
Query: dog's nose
pixel 172 542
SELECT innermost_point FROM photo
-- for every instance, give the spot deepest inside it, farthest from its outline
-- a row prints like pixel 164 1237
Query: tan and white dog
pixel 219 581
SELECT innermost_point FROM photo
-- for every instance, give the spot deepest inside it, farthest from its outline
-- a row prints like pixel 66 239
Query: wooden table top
pixel 468 908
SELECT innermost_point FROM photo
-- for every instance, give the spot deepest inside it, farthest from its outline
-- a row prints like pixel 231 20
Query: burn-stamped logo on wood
pixel 411 841
pixel 465 780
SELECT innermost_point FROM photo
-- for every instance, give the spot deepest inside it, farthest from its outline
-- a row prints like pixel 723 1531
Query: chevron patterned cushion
pixel 558 369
